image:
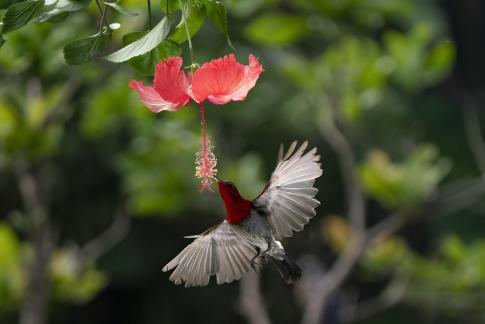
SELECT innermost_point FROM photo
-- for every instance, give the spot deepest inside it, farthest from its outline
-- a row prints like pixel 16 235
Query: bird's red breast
pixel 237 208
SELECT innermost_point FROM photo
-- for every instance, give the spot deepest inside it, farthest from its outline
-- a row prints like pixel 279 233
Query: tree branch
pixel 329 282
pixel 106 240
pixel 385 227
pixel 462 197
pixel 389 297
pixel 356 212
pixel 251 301
pixel 471 120
pixel 34 308
pixel 348 168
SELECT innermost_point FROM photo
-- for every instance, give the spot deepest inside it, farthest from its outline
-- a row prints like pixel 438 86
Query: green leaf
pixel 2 40
pixel 121 9
pixel 145 64
pixel 276 29
pixel 83 50
pixel 19 14
pixel 194 15
pixel 4 4
pixel 217 14
pixel 143 45
pixel 58 18
pixel 55 11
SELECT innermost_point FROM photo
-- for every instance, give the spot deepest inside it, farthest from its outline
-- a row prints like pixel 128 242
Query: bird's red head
pixel 237 208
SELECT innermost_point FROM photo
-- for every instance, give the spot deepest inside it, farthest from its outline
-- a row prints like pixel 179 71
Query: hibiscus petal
pixel 171 82
pixel 251 75
pixel 152 99
pixel 224 79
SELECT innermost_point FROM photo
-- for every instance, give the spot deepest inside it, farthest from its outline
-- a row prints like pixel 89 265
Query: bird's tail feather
pixel 289 270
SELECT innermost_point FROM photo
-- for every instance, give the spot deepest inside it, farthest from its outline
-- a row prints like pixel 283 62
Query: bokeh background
pixel 96 192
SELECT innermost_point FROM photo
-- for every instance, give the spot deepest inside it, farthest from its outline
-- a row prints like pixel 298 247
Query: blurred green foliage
pixel 403 185
pixel 12 283
pixel 72 281
pixel 455 271
pixel 375 66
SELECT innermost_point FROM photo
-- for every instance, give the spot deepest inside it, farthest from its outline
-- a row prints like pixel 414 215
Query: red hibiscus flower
pixel 224 79
pixel 170 86
pixel 219 81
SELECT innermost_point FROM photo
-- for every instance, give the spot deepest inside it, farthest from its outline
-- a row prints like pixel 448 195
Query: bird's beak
pixel 217 178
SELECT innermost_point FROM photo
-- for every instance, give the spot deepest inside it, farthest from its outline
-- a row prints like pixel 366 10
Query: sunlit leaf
pixel 121 9
pixel 145 64
pixel 82 50
pixel 60 9
pixel 143 45
pixel 336 231
pixel 440 60
pixel 19 14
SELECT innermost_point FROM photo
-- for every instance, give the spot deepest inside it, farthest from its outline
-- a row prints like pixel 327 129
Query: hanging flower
pixel 170 87
pixel 224 79
pixel 219 81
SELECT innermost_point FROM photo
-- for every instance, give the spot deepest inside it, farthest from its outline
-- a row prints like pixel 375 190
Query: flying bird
pixel 251 233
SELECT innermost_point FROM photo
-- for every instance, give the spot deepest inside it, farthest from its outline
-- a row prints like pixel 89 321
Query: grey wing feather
pixel 289 196
pixel 222 252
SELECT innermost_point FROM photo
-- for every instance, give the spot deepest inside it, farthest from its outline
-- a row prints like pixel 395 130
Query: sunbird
pixel 251 233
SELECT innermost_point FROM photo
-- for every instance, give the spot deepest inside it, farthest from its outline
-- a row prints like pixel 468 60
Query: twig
pixel 150 14
pixel 446 300
pixel 99 6
pixel 461 198
pixel 104 21
pixel 251 301
pixel 392 294
pixel 385 227
pixel 353 191
pixel 473 130
pixel 106 240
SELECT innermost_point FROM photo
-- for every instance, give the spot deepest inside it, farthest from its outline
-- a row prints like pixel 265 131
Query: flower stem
pixel 150 14
pixel 103 18
pixel 99 7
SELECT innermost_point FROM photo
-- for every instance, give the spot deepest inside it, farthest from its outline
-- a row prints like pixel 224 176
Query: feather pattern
pixel 222 251
pixel 289 194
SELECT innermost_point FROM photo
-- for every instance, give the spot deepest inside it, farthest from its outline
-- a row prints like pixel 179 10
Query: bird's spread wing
pixel 288 197
pixel 219 251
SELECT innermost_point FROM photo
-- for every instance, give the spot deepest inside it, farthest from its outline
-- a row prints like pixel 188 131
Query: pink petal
pixel 171 82
pixel 152 99
pixel 224 79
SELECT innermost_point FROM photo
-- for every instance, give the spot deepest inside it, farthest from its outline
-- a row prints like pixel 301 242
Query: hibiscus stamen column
pixel 205 162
